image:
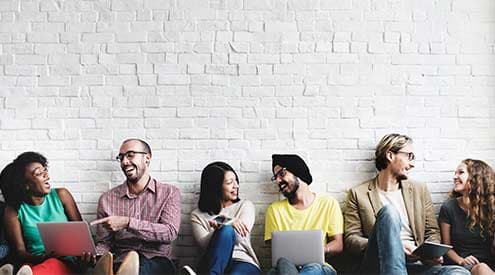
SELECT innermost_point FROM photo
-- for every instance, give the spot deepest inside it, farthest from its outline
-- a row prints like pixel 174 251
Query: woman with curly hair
pixel 467 219
pixel 25 185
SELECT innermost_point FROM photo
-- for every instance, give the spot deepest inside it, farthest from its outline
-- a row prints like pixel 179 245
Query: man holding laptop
pixel 306 212
pixel 141 214
pixel 388 217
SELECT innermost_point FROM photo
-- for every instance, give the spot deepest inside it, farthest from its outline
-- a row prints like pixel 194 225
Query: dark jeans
pixel 218 256
pixel 153 266
pixel 385 254
pixel 286 267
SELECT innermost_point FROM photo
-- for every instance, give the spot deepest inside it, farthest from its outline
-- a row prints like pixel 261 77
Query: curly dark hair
pixel 12 178
pixel 480 198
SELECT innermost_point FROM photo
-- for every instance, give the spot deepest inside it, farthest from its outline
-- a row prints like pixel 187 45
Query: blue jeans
pixel 218 257
pixel 286 267
pixel 155 265
pixel 385 253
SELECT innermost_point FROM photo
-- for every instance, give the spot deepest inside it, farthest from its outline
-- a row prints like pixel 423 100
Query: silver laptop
pixel 66 238
pixel 300 247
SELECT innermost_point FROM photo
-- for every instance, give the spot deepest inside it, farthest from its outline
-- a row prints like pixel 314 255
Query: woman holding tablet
pixel 222 223
pixel 30 199
pixel 467 219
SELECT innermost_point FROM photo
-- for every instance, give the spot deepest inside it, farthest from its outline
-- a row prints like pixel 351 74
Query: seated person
pixel 142 214
pixel 467 219
pixel 302 210
pixel 30 199
pixel 227 247
pixel 387 217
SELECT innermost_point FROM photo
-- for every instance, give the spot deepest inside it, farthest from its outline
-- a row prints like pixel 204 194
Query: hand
pixel 469 260
pixel 87 259
pixel 240 227
pixel 433 261
pixel 408 250
pixel 214 224
pixel 113 223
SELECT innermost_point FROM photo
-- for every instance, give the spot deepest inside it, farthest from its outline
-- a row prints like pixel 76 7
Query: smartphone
pixel 222 220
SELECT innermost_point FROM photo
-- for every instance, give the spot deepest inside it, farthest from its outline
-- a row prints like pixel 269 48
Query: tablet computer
pixel 429 250
pixel 66 238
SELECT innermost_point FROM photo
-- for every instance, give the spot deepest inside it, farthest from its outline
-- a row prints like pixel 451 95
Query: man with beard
pixel 302 210
pixel 141 214
pixel 387 217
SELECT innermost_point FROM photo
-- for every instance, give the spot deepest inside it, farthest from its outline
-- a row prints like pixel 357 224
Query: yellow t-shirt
pixel 324 214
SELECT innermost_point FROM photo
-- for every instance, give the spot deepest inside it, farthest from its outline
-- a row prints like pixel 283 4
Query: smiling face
pixel 134 165
pixel 461 175
pixel 230 188
pixel 37 179
pixel 287 183
pixel 401 162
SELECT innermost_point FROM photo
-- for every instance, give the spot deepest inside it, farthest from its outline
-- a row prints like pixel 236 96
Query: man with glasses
pixel 141 214
pixel 302 210
pixel 387 217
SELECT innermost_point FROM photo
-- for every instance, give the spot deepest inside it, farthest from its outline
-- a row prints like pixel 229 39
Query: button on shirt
pixel 154 220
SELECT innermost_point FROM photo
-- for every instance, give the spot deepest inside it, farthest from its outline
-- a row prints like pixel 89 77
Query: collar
pixel 373 185
pixel 123 189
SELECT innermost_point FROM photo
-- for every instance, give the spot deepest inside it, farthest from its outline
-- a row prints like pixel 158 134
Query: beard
pixel 400 177
pixel 135 177
pixel 291 193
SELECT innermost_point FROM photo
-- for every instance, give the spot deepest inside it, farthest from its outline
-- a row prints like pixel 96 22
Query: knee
pixel 480 268
pixel 226 231
pixel 389 215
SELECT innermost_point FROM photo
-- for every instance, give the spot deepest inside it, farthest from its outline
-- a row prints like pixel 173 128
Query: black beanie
pixel 295 164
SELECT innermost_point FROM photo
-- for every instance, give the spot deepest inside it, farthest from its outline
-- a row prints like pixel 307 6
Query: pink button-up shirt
pixel 154 220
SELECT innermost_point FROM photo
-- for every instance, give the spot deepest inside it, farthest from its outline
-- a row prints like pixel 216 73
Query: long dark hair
pixel 12 178
pixel 210 196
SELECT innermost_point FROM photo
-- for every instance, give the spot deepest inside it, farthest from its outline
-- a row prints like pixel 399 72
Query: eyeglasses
pixel 280 173
pixel 410 155
pixel 128 155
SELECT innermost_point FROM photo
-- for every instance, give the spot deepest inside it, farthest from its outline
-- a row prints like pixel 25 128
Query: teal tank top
pixel 51 210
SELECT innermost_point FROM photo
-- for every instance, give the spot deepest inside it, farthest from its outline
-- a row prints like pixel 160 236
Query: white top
pixel 396 199
pixel 243 210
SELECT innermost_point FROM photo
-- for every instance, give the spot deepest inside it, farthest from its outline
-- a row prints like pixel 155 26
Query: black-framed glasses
pixel 280 173
pixel 128 155
pixel 410 155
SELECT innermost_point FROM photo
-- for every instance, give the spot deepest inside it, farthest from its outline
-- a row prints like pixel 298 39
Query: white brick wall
pixel 240 80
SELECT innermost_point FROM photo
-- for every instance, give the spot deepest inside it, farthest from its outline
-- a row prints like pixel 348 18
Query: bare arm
pixel 70 207
pixel 15 238
pixel 445 233
pixel 335 245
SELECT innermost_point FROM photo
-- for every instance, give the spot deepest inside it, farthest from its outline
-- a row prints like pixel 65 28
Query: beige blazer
pixel 363 204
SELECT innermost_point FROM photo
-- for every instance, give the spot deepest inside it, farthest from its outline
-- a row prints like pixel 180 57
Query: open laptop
pixel 66 238
pixel 300 246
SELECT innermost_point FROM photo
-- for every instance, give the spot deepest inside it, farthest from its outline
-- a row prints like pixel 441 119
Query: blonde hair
pixel 390 142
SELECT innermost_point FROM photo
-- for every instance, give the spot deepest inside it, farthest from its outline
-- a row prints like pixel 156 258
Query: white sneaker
pixel 7 269
pixel 25 270
pixel 185 269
